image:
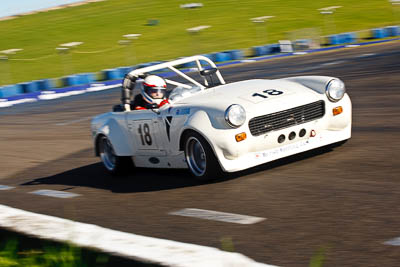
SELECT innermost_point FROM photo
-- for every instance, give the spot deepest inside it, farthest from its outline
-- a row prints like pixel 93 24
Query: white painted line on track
pixel 300 53
pixel 16 102
pixel 142 248
pixel 393 242
pixel 73 121
pixel 54 193
pixel 217 216
pixel 6 187
pixel 333 63
pixel 366 55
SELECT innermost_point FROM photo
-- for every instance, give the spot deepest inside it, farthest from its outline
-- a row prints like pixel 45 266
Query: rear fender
pixel 117 135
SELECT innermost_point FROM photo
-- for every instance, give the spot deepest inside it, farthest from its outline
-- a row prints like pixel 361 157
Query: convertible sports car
pixel 212 127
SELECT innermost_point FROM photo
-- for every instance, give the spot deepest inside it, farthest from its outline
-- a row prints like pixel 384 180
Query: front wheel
pixel 200 158
pixel 114 164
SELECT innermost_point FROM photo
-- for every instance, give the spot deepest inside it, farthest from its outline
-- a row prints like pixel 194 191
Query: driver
pixel 153 92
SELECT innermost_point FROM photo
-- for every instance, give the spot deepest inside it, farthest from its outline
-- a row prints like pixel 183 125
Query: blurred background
pixel 88 36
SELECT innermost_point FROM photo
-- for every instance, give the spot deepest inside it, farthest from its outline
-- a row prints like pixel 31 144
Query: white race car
pixel 212 127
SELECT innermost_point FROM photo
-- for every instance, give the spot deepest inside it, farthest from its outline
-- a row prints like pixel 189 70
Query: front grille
pixel 287 118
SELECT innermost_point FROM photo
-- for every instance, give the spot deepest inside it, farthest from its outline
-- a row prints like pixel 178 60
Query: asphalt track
pixel 341 203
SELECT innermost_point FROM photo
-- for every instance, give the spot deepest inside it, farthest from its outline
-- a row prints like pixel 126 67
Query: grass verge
pixel 101 25
pixel 20 250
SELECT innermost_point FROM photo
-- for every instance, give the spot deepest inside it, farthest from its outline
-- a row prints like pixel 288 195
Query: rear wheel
pixel 114 164
pixel 200 158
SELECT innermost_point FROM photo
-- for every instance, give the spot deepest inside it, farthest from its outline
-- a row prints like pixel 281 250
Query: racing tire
pixel 115 165
pixel 200 158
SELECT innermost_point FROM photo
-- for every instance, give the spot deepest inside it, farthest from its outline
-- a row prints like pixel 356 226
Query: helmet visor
pixel 155 93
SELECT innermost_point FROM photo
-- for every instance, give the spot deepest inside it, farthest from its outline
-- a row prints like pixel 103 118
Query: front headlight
pixel 235 115
pixel 335 90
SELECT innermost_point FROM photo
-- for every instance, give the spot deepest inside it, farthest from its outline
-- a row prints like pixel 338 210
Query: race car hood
pixel 256 96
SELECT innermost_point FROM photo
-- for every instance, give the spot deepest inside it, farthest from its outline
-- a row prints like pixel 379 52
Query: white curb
pixel 142 248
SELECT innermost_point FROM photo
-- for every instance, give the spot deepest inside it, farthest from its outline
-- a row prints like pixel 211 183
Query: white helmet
pixel 154 89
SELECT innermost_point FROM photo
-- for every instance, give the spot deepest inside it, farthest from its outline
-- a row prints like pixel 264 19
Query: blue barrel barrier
pixel 392 31
pixel 342 38
pixel 259 51
pixel 30 87
pixel 189 65
pixel 351 37
pixel 333 39
pixel 124 70
pixel 111 74
pixel 235 54
pixel 11 90
pixel 46 84
pixel 70 80
pixel 272 49
pixel 378 33
pixel 86 78
pixel 221 56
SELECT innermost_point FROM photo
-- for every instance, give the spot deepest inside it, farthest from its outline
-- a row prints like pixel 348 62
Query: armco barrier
pixel 10 90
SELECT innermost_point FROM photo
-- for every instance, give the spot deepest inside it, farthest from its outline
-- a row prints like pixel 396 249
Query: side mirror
pixel 208 72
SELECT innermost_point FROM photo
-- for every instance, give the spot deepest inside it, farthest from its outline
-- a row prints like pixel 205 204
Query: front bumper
pixel 251 159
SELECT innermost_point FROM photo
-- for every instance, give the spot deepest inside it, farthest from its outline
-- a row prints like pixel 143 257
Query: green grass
pixel 17 250
pixel 101 25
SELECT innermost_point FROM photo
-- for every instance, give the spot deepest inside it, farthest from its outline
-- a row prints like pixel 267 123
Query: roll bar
pixel 171 66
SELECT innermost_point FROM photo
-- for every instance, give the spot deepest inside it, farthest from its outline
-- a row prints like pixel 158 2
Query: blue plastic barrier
pixel 392 31
pixel 342 38
pixel 259 51
pixel 221 56
pixel 86 78
pixel 111 74
pixel 351 37
pixel 10 90
pixel 189 65
pixel 378 33
pixel 235 54
pixel 273 48
pixel 124 70
pixel 70 80
pixel 30 87
pixel 333 40
pixel 46 84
